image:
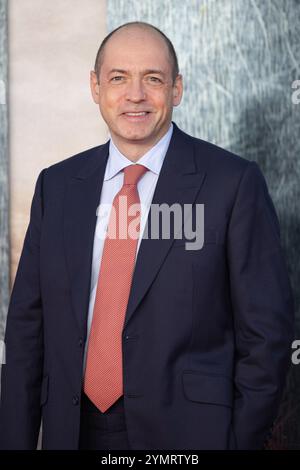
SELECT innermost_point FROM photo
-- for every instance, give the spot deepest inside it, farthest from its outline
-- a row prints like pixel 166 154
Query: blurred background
pixel 240 61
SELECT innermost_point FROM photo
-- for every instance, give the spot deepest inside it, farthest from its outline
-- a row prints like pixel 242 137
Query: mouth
pixel 136 116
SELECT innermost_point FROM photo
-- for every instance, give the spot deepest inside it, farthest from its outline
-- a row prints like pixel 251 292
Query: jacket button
pixel 75 400
pixel 80 342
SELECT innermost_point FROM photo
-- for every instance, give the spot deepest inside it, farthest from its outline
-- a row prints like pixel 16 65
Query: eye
pixel 154 79
pixel 117 78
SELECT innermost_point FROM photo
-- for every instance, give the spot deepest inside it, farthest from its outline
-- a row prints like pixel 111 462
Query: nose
pixel 135 91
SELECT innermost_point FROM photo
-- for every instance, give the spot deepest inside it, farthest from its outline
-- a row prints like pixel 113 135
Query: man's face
pixel 136 93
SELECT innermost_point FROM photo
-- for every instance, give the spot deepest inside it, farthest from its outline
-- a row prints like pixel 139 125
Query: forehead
pixel 136 48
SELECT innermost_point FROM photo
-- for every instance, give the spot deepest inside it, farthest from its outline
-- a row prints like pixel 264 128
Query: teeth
pixel 136 114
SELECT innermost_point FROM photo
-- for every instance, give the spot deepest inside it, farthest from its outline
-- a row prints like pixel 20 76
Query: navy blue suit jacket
pixel 207 333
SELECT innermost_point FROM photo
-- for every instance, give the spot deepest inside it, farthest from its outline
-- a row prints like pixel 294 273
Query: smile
pixel 137 117
pixel 142 113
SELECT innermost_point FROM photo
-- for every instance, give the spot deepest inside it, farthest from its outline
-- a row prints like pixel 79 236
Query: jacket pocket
pixel 209 389
pixel 44 390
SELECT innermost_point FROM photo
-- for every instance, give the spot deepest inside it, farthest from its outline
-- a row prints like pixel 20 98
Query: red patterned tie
pixel 103 380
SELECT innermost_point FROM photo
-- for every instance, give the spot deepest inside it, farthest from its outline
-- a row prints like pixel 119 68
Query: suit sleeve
pixel 22 373
pixel 263 310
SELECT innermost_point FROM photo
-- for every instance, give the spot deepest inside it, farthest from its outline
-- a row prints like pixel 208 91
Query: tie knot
pixel 133 173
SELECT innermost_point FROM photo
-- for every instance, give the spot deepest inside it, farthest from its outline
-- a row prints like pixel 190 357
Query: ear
pixel 94 86
pixel 177 90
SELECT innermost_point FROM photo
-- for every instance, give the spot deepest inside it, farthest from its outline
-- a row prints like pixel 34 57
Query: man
pixel 138 342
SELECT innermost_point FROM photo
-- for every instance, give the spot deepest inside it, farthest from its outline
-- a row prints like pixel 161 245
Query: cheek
pixel 163 100
pixel 110 98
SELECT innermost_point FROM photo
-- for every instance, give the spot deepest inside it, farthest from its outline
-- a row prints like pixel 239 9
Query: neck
pixel 134 150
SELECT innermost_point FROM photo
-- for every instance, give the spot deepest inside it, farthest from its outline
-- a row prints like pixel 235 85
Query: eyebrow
pixel 145 72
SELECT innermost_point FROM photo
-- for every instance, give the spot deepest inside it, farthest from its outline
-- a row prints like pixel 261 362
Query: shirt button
pixel 75 400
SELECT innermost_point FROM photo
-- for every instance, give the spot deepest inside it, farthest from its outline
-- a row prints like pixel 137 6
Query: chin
pixel 135 136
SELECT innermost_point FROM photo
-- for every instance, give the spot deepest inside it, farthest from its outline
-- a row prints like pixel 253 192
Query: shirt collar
pixel 152 160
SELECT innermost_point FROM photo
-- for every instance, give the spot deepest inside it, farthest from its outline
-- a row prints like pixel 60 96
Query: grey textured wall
pixel 4 242
pixel 239 59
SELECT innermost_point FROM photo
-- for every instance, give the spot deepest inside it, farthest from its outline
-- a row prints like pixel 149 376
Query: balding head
pixel 143 31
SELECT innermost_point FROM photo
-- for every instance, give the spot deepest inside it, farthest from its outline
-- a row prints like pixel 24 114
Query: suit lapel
pixel 179 182
pixel 81 202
